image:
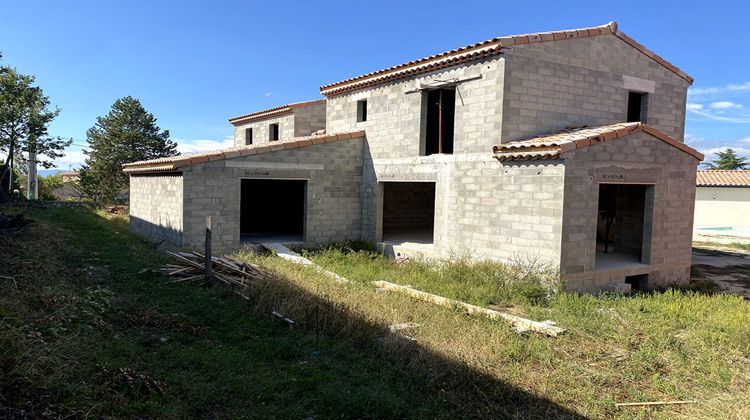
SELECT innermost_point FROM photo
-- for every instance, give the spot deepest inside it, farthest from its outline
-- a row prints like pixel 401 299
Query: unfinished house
pixel 562 147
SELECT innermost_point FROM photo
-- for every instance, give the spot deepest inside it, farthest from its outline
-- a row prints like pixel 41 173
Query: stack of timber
pixel 190 266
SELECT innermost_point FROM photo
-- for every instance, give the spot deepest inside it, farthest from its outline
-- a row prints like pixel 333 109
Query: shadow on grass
pixel 433 384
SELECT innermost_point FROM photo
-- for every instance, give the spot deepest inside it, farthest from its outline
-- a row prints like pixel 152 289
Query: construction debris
pixel 191 267
pixel 289 255
pixel 650 403
pixel 283 318
pixel 521 325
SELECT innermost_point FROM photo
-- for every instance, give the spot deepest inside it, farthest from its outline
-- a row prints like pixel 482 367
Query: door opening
pixel 623 235
pixel 272 210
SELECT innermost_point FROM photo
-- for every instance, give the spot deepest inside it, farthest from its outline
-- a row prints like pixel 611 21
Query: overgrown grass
pixel 89 310
pixel 734 246
pixel 479 282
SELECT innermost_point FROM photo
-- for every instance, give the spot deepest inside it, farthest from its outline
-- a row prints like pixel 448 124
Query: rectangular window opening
pixel 440 110
pixel 408 212
pixel 273 132
pixel 248 136
pixel 637 106
pixel 362 110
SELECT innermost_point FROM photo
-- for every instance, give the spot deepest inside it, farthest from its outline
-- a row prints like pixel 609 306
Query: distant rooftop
pixel 723 178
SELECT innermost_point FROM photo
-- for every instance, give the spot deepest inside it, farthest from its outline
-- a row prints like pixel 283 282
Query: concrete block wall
pixel 585 81
pixel 640 159
pixel 394 117
pixel 334 177
pixel 309 119
pixel 261 130
pixel 483 208
pixel 156 207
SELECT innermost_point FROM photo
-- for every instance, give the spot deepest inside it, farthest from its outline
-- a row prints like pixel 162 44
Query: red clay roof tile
pixel 173 163
pixel 553 145
pixel 485 49
pixel 723 178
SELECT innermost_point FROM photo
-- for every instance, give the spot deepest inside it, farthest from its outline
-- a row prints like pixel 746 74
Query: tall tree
pixel 728 160
pixel 128 133
pixel 25 115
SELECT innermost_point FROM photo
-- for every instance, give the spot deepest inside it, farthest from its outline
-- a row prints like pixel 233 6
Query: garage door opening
pixel 272 211
pixel 408 212
pixel 623 234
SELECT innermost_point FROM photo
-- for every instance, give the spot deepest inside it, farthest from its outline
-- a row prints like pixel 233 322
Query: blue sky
pixel 195 64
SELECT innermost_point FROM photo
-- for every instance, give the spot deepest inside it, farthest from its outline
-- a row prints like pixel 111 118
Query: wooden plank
pixel 520 324
pixel 650 403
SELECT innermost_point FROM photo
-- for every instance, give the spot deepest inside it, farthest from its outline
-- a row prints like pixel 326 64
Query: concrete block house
pixel 565 147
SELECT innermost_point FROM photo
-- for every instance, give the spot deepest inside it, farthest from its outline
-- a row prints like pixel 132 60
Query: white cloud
pixel 715 90
pixel 724 105
pixel 203 145
pixel 692 139
pixel 713 150
pixel 745 140
pixel 722 115
pixel 694 106
pixel 268 94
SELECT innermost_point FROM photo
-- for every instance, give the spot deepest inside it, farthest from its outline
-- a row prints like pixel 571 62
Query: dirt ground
pixel 727 268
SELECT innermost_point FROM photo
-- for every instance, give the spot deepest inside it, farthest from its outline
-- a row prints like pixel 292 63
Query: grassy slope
pixel 83 302
pixel 89 305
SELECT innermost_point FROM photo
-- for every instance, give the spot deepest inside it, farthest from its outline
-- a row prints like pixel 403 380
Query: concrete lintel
pixel 275 165
pixel 638 85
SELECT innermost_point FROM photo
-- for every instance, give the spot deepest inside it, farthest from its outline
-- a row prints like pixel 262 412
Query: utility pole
pixel 33 187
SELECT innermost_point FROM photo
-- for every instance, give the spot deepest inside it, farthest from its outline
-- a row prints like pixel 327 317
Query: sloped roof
pixel 172 163
pixel 273 112
pixel 723 178
pixel 553 145
pixel 483 49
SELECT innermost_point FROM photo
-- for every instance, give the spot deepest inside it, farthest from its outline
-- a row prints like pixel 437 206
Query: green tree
pixel 128 133
pixel 728 160
pixel 25 115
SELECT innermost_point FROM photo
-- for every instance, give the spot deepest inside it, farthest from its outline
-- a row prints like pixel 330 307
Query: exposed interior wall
pixel 261 131
pixel 722 206
pixel 642 159
pixel 408 210
pixel 585 81
pixel 156 207
pixel 621 219
pixel 333 172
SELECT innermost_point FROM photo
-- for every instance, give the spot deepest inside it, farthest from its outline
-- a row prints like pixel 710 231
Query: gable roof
pixel 483 49
pixel 553 145
pixel 173 163
pixel 273 112
pixel 723 178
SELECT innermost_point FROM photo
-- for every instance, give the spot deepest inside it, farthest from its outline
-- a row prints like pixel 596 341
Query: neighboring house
pixel 563 147
pixel 722 199
pixel 70 176
pixel 70 190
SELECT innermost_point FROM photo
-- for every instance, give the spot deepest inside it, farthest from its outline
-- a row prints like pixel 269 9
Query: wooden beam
pixel 521 324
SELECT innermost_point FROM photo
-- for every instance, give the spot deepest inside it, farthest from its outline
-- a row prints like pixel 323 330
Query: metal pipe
pixel 440 123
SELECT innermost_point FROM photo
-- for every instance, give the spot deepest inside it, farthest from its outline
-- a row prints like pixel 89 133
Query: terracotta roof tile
pixel 553 145
pixel 722 178
pixel 483 49
pixel 273 112
pixel 173 163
